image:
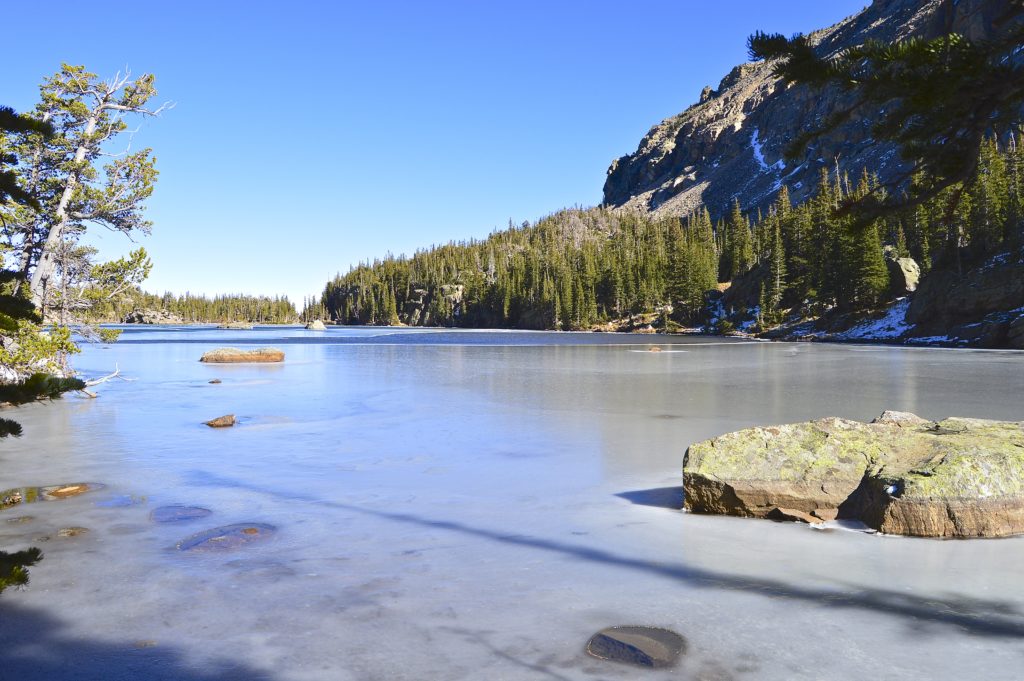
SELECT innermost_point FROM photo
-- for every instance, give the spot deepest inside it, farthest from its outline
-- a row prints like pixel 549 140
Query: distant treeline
pixel 199 308
pixel 579 267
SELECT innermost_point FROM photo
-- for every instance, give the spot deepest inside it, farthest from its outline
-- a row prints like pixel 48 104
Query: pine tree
pixel 741 248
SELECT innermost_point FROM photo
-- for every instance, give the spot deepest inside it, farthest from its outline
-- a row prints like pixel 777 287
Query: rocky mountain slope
pixel 731 143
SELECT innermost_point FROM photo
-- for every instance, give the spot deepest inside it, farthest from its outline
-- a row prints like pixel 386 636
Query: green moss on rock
pixel 900 474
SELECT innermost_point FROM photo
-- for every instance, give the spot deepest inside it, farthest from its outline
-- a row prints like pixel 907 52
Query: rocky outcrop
pixel 730 143
pixel 979 307
pixel 904 273
pixel 234 355
pixel 899 474
pixel 441 305
pixel 152 316
pixel 316 325
pixel 1015 333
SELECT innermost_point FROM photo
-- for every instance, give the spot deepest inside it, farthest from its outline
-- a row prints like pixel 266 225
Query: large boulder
pixel 899 474
pixel 316 325
pixel 234 355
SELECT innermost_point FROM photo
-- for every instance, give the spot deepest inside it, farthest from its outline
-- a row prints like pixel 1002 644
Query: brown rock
pixel 65 491
pixel 234 355
pixel 72 531
pixel 215 381
pixel 225 421
pixel 792 514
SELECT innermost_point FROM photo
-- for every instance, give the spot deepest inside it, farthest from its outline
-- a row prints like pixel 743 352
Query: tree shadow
pixel 659 497
pixel 536 670
pixel 38 647
pixel 924 614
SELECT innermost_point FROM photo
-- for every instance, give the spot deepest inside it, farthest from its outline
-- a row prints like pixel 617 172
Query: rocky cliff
pixel 731 143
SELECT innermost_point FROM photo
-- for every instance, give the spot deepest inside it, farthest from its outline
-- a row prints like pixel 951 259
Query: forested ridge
pixel 194 308
pixel 581 267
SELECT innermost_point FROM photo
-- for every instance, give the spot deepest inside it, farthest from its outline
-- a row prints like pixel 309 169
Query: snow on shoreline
pixel 893 324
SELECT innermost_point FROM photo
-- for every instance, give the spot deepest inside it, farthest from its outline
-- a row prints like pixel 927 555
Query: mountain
pixel 666 250
pixel 730 144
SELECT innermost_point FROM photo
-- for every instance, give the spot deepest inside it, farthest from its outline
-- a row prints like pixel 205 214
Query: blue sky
pixel 308 136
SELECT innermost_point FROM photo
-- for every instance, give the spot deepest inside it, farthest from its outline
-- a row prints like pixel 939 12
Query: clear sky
pixel 308 136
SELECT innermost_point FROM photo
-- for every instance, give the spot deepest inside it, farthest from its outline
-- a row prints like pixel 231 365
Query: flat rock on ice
pixel 900 474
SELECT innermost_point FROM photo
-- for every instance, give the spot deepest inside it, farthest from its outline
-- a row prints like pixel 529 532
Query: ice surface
pixel 472 506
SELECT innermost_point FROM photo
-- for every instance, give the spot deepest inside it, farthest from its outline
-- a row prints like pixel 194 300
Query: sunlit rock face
pixel 899 474
pixel 731 143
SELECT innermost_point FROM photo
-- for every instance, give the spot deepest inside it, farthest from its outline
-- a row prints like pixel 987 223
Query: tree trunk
pixel 47 264
pixel 29 244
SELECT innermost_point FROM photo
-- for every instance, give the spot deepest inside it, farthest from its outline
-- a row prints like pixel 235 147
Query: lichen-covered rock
pixel 899 474
pixel 234 355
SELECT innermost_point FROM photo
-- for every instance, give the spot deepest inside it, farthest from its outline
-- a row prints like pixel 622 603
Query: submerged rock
pixel 234 355
pixel 177 513
pixel 227 537
pixel 900 474
pixel 225 421
pixel 28 495
pixel 641 646
pixel 72 531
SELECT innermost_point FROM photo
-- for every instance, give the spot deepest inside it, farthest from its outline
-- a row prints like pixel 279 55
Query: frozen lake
pixel 475 505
